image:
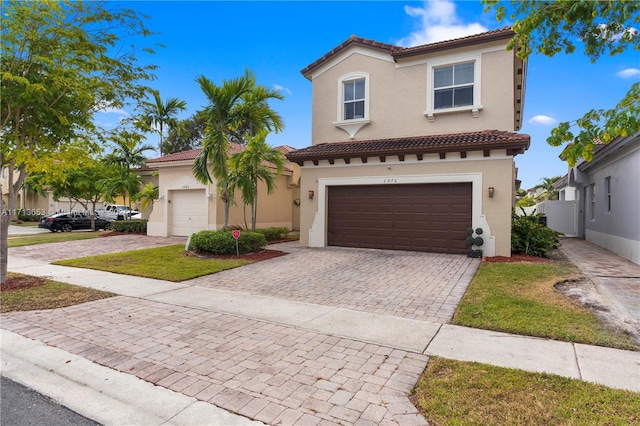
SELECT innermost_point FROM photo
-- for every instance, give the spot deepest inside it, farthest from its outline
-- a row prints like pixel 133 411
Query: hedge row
pixel 275 233
pixel 222 242
pixel 138 226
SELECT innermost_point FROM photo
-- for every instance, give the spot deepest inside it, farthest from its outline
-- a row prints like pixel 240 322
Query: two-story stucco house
pixel 411 147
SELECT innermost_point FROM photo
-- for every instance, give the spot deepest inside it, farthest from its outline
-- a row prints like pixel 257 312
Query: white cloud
pixel 280 88
pixel 439 21
pixel 106 108
pixel 543 120
pixel 629 73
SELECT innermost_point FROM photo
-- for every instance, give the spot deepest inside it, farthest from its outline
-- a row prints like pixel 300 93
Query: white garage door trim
pixel 187 211
pixel 318 230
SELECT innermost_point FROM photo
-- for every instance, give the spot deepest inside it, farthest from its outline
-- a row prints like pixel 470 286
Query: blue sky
pixel 276 40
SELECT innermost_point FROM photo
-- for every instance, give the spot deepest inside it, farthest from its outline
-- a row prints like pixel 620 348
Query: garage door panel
pixel 421 217
pixel 188 212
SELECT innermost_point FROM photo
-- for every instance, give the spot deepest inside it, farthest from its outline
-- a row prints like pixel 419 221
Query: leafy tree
pixel 128 154
pixel 161 114
pixel 237 108
pixel 82 184
pixel 601 27
pixel 252 165
pixel 186 135
pixel 60 63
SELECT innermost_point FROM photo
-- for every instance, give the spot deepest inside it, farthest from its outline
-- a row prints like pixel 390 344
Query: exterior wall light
pixel 311 194
pixel 491 191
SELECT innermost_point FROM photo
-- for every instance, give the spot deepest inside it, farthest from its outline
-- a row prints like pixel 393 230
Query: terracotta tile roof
pixel 351 41
pixel 489 139
pixel 193 153
pixel 499 34
pixel 189 155
pixel 401 52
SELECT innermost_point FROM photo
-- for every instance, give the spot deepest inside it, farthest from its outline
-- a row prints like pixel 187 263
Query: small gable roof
pixel 514 143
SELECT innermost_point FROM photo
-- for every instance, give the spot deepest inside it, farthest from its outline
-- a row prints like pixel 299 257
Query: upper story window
pixel 453 85
pixel 607 194
pixel 353 102
pixel 353 99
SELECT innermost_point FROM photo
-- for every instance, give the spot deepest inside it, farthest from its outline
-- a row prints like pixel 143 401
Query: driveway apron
pixel 269 372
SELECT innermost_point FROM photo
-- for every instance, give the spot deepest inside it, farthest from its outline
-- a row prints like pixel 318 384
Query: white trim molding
pixel 354 125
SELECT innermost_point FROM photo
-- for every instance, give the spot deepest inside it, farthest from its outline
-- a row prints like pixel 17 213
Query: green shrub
pixel 138 226
pixel 274 233
pixel 528 236
pixel 222 242
pixel 28 215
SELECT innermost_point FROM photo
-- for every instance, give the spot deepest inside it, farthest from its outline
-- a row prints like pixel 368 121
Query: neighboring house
pixel 411 147
pixel 186 206
pixel 606 197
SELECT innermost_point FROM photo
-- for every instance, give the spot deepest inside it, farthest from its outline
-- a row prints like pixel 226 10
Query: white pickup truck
pixel 118 212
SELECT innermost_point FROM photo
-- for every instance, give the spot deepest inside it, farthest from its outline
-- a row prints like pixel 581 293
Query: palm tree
pixel 255 164
pixel 236 109
pixel 550 193
pixel 127 155
pixel 160 114
pixel 147 195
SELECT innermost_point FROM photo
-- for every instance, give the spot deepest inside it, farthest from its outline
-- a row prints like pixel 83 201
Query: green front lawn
pixel 169 263
pixel 468 393
pixel 40 293
pixel 51 237
pixel 520 298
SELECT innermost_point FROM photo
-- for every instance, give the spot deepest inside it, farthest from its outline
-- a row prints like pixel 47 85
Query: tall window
pixel 592 199
pixel 607 194
pixel 353 99
pixel 453 85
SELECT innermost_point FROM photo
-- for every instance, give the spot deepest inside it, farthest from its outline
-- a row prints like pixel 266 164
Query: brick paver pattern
pixel 267 372
pixel 422 286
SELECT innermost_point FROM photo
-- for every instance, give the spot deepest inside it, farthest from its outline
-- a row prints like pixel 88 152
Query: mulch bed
pixel 251 257
pixel 22 281
pixel 517 258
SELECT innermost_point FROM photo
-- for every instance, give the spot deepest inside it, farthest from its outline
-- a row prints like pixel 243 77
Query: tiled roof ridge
pixel 498 31
pixel 405 51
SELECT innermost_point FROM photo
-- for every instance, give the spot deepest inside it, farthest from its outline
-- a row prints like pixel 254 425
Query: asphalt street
pixel 21 406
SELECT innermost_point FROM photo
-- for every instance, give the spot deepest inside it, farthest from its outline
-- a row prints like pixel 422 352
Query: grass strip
pixel 51 295
pixel 169 263
pixel 520 298
pixel 455 393
pixel 51 237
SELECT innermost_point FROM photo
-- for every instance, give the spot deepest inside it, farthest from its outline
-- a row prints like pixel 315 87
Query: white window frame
pixel 607 194
pixel 352 126
pixel 430 111
pixel 592 201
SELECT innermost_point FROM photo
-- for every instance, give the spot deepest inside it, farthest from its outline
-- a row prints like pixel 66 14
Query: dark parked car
pixel 66 222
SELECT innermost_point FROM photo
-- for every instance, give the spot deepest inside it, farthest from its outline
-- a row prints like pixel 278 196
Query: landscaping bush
pixel 28 215
pixel 138 226
pixel 529 236
pixel 222 242
pixel 274 233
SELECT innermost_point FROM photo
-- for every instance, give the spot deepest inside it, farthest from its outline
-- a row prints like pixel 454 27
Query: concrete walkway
pixel 172 353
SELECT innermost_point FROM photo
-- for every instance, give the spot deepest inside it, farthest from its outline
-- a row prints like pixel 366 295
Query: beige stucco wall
pixel 491 214
pixel 398 95
pixel 273 209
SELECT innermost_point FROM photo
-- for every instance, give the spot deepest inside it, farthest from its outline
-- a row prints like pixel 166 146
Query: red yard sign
pixel 236 234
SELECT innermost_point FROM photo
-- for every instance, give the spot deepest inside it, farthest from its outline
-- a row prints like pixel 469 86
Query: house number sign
pixel 390 180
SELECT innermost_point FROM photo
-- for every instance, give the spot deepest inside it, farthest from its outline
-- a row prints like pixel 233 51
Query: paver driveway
pixel 271 372
pixel 423 286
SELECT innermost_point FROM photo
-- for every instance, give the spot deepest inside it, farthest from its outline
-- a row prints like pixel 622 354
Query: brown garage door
pixel 419 217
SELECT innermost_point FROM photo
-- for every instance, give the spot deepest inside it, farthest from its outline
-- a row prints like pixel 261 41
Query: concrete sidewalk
pixel 610 367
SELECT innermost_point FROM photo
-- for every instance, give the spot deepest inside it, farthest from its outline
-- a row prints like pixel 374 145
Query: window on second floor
pixel 592 199
pixel 353 99
pixel 607 194
pixel 453 86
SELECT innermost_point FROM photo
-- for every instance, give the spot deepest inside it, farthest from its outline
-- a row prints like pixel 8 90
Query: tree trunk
pixel 11 210
pixel 227 203
pixel 254 212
